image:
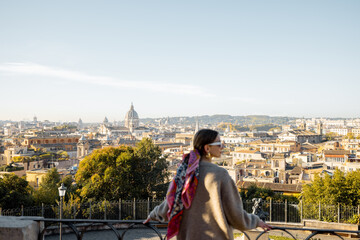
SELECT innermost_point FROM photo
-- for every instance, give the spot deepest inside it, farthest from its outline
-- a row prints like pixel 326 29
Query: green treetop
pixel 14 192
pixel 123 172
pixel 340 188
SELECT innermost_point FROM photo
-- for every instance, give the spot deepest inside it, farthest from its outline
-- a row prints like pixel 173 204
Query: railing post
pixel 22 210
pixel 119 208
pixel 105 210
pixel 0 211
pixel 270 209
pixel 148 206
pixel 319 211
pixel 286 204
pixel 42 210
pixel 74 208
pixel 338 212
pixel 71 211
pixel 90 210
pixel 134 210
pixel 302 211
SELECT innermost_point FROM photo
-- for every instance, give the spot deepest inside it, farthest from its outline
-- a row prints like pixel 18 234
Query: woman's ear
pixel 206 148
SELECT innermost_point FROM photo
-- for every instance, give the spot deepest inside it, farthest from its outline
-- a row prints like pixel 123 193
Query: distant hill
pixel 219 118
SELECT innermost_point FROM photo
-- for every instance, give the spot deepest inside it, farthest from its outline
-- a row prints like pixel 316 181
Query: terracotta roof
pixel 302 132
pixel 334 156
pixel 117 128
pixel 256 142
pixel 308 146
pixel 278 156
pixel 246 151
pixel 336 152
pixel 296 170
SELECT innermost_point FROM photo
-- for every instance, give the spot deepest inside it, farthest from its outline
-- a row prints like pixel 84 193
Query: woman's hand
pixel 147 220
pixel 264 226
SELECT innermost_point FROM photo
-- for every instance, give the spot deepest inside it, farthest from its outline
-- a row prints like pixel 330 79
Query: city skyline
pixel 205 119
pixel 70 60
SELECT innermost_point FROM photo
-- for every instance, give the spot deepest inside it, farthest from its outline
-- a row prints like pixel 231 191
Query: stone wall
pixel 18 228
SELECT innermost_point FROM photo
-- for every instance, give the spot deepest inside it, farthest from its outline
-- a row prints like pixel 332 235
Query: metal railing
pixel 81 226
pixel 287 212
pixel 112 210
pixel 292 212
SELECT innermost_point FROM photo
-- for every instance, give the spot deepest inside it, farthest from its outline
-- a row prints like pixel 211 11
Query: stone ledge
pixel 18 228
pixel 330 225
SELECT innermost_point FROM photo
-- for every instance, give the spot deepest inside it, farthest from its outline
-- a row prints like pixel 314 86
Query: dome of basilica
pixel 131 118
pixel 131 114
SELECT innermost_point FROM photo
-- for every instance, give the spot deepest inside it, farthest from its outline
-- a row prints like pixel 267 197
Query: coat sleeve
pixel 159 213
pixel 233 207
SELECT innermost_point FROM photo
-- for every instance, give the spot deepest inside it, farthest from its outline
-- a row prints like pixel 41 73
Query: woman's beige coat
pixel 215 210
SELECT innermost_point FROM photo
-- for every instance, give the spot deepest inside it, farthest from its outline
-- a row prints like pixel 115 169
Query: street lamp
pixel 62 190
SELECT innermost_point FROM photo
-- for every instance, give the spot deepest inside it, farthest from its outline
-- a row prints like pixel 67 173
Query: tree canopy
pixel 43 155
pixel 14 192
pixel 340 188
pixel 253 191
pixel 123 172
pixel 48 192
pixel 244 128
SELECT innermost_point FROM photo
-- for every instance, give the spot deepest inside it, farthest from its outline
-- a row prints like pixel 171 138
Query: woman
pixel 203 201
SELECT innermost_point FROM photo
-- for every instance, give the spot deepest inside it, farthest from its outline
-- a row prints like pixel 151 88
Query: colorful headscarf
pixel 182 191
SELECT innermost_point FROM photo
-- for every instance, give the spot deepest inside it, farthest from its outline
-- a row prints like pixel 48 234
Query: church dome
pixel 131 118
pixel 131 114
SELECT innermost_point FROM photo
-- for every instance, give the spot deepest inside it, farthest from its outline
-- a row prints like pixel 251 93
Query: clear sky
pixel 65 60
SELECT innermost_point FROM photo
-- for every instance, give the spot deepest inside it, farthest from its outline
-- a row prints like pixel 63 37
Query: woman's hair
pixel 203 137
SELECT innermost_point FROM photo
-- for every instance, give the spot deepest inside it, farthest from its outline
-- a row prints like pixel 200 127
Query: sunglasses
pixel 216 144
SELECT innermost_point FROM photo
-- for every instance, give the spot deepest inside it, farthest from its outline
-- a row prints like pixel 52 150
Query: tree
pixel 275 129
pixel 123 172
pixel 14 192
pixel 48 192
pixel 350 135
pixel 21 159
pixel 62 155
pixel 340 188
pixel 352 184
pixel 330 136
pixel 264 127
pixel 253 191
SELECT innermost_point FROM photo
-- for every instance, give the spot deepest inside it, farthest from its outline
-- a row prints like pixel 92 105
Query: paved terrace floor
pixel 148 234
pixel 131 234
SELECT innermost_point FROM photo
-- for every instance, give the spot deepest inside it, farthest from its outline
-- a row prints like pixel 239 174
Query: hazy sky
pixel 65 60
